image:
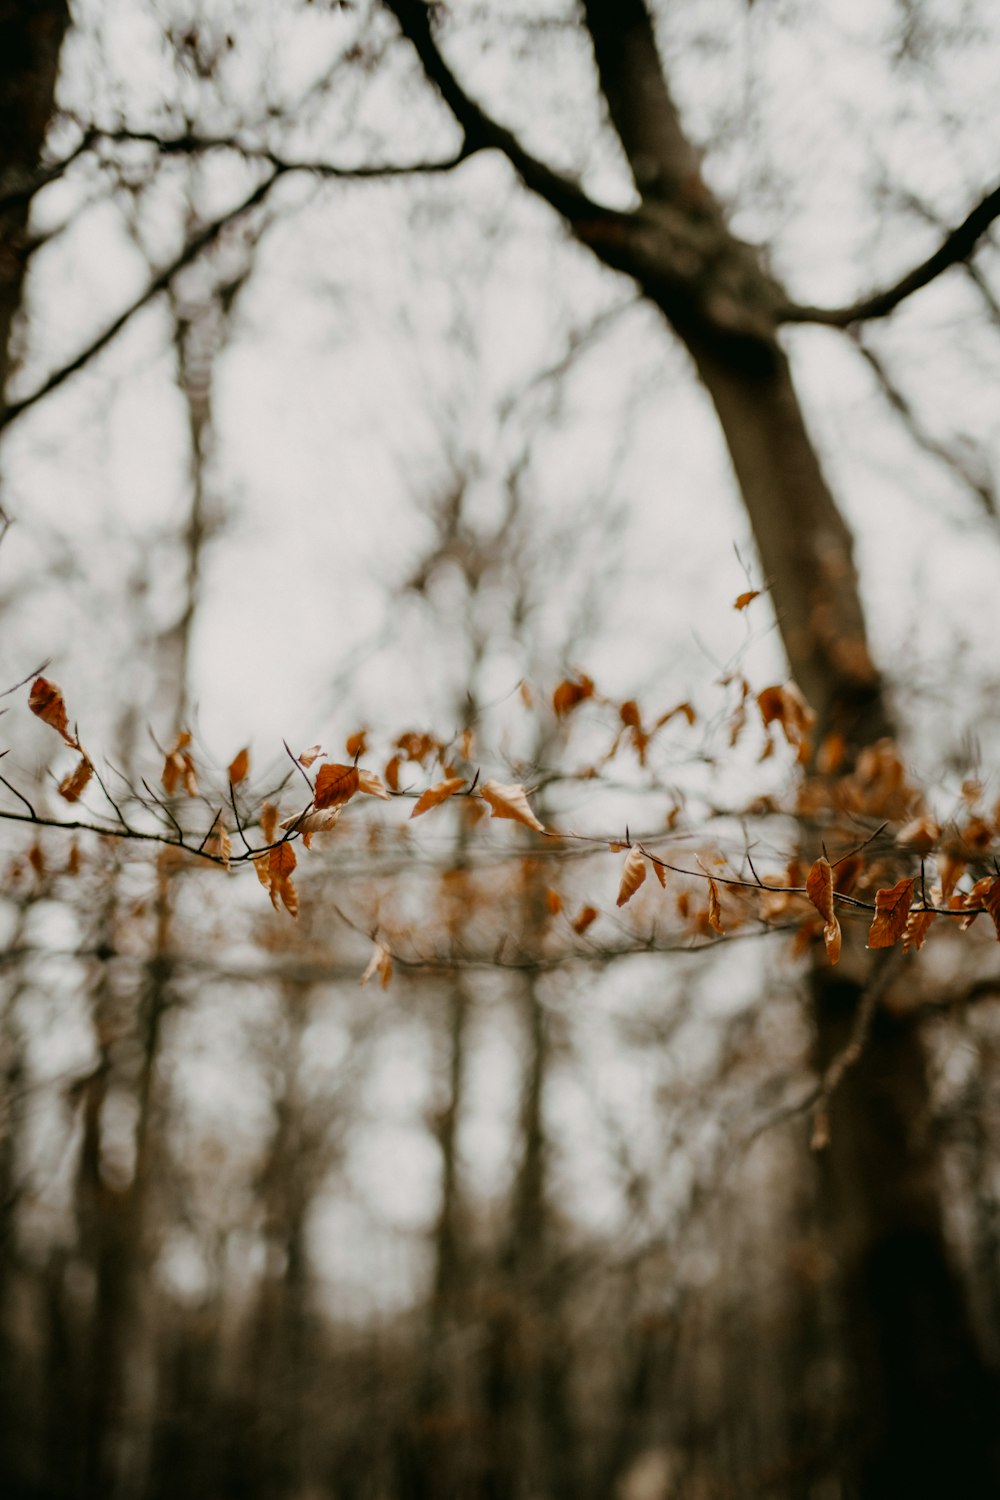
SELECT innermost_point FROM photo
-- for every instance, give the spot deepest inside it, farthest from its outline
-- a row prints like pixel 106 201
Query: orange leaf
pixel 219 843
pixel 437 794
pixel 629 714
pixel 357 744
pixel 238 767
pixel 659 871
pixel 742 600
pixel 819 889
pixel 633 874
pixel 679 708
pixel 380 963
pixel 553 902
pixel 915 930
pixel 281 861
pixel 335 785
pixel 178 767
pixel 371 785
pixel 714 909
pixel 583 919
pixel 510 801
pixel 569 693
pixel 920 834
pixel 268 822
pixel 892 907
pixel 46 701
pixel 73 784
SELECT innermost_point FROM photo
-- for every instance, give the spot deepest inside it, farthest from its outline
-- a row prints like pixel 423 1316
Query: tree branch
pixel 482 132
pixel 956 247
pixel 194 247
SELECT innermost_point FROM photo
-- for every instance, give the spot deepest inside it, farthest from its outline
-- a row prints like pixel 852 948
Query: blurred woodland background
pixel 385 375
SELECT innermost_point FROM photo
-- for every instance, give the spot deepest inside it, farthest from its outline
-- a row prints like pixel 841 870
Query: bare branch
pixel 194 247
pixel 956 247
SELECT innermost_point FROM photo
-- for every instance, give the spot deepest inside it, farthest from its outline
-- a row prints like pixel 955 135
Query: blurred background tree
pixel 371 361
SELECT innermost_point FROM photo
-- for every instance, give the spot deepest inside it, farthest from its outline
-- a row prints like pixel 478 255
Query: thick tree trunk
pixel 920 1392
pixel 31 36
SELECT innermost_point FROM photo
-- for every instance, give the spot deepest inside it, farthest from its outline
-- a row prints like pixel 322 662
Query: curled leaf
pixel 268 822
pixel 371 785
pixel 584 917
pixel 819 889
pixel 178 767
pixel 571 692
pixel 308 756
pixel 219 842
pixel 73 784
pixel 892 907
pixel 742 600
pixel 380 963
pixel 435 795
pixel 510 801
pixel 46 701
pixel 714 908
pixel 281 861
pixel 633 874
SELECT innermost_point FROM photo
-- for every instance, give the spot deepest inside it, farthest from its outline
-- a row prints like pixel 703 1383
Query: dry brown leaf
pixel 819 889
pixel 308 756
pixel 380 963
pixel 73 859
pixel 336 785
pixel 281 861
pixel 268 822
pixel 553 902
pixel 583 919
pixel 239 767
pixel 219 842
pixel 510 801
pixel 629 714
pixel 371 785
pixel 742 600
pixel 832 937
pixel 262 870
pixel 73 784
pixel 684 708
pixel 571 692
pixel 46 701
pixel 313 822
pixel 435 795
pixel 915 930
pixel 892 907
pixel 633 874
pixel 178 767
pixel 831 754
pixel 659 871
pixel 357 744
pixel 920 834
pixel 714 909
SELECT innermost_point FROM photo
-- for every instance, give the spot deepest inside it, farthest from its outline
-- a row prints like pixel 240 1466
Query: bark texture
pixel 31 37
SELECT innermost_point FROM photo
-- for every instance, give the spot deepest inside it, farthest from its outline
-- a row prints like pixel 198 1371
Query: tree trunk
pixel 919 1386
pixel 31 37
